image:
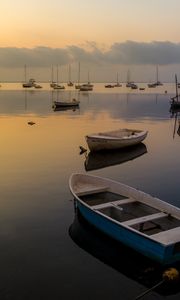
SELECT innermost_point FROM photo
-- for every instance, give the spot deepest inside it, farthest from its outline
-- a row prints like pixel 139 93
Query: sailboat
pixel 117 84
pixel 30 83
pixel 70 83
pixel 77 86
pixel 71 102
pixel 157 77
pixel 130 83
pixel 57 86
pixel 86 86
pixel 157 83
pixel 53 83
pixel 175 103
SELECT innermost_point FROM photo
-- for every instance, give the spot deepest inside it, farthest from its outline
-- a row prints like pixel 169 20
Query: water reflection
pixel 102 159
pixel 176 129
pixel 121 258
pixel 174 111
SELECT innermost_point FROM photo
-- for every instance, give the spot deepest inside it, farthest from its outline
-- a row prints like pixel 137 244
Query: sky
pixel 106 36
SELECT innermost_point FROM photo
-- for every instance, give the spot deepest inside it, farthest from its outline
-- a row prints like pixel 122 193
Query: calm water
pixel 46 251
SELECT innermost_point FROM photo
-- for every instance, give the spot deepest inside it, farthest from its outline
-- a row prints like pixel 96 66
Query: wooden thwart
pixel 144 219
pixel 92 190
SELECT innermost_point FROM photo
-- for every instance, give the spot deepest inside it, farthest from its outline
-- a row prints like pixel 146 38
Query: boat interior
pixel 129 212
pixel 120 133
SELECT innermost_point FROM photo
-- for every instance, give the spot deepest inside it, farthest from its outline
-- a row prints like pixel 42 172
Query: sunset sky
pixel 103 34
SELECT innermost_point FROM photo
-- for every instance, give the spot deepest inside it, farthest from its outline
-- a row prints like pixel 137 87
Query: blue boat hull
pixel 143 245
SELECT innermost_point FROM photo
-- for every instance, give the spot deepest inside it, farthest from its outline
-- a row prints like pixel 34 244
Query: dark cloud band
pixel 129 52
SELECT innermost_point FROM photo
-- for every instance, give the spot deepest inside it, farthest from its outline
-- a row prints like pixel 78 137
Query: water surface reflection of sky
pixel 36 162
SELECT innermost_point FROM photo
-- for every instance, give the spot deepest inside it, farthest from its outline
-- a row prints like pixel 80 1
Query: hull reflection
pixel 119 257
pixel 102 159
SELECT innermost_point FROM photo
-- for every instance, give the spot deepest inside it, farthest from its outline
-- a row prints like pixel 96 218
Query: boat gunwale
pixel 104 135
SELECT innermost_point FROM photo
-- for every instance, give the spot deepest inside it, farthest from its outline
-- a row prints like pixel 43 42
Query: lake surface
pixel 46 250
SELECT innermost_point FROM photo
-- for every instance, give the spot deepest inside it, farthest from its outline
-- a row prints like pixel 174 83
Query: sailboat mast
pixel 69 73
pixel 177 96
pixel 79 74
pixel 157 75
pixel 128 76
pixel 57 74
pixel 52 74
pixel 25 73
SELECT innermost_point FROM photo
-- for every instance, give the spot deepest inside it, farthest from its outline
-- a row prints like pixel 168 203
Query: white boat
pixel 86 87
pixel 74 102
pixel 29 84
pixel 53 84
pixel 37 86
pixel 145 223
pixel 152 85
pixel 70 83
pixel 58 87
pixel 115 139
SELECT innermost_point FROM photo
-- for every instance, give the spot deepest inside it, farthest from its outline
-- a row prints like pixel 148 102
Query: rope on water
pixel 170 275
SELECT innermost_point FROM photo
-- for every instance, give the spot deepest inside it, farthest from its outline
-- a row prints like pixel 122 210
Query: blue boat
pixel 140 221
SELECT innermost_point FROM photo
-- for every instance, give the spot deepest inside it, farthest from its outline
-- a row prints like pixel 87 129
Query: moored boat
pixel 86 87
pixel 175 103
pixel 58 87
pixel 109 86
pixel 115 139
pixel 74 102
pixel 29 84
pixel 145 223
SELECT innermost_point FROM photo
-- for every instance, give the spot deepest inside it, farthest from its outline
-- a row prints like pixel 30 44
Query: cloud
pixel 126 53
pixel 35 57
pixel 131 52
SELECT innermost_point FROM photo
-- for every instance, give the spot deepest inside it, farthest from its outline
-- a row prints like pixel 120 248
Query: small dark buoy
pixel 82 150
pixel 165 92
pixel 31 123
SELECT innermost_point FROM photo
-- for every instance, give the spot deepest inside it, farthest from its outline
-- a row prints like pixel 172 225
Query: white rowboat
pixel 115 139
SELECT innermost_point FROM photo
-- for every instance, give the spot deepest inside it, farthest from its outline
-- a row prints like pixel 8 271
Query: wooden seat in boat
pixel 144 219
pixel 92 190
pixel 167 237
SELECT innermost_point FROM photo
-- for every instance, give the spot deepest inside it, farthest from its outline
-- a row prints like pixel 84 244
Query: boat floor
pixel 129 212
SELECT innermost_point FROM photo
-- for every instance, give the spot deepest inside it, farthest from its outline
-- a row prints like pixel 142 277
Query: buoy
pixel 171 274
